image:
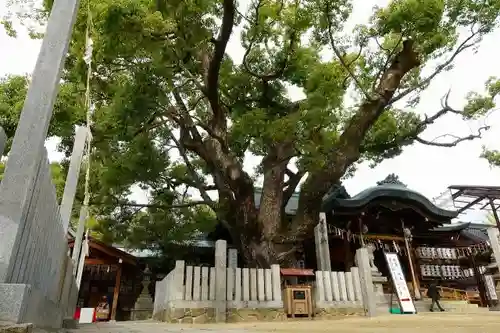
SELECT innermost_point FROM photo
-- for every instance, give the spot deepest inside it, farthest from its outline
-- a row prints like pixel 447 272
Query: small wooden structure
pixel 298 300
pixel 298 297
pixel 109 272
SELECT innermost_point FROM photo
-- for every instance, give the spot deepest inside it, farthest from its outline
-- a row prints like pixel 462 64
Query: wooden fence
pixel 195 287
pixel 335 288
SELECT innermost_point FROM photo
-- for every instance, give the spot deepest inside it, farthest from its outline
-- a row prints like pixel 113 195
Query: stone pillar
pixel 365 277
pixel 322 246
pixel 24 157
pixel 317 245
pixel 220 280
pixel 143 308
pixel 77 247
pixel 72 177
pixel 493 234
pixel 232 258
pixel 325 246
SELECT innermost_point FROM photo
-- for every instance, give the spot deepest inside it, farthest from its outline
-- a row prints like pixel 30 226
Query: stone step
pixel 15 328
pixel 448 305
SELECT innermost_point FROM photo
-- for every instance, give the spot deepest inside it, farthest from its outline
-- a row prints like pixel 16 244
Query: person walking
pixel 433 293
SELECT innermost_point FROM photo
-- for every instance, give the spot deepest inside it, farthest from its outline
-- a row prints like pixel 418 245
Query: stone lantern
pixel 143 308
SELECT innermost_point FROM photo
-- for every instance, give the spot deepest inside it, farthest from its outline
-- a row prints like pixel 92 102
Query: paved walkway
pixel 421 323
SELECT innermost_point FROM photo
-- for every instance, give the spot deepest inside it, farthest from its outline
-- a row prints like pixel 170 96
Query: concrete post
pixel 77 247
pixel 317 245
pixel 493 234
pixel 24 157
pixel 232 258
pixel 220 280
pixel 72 177
pixel 365 277
pixel 3 141
pixel 325 245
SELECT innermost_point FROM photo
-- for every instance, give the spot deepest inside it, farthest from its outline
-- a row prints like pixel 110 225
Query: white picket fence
pixel 338 288
pixel 194 287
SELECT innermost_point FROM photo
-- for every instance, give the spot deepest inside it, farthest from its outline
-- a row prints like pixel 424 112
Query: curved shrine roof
pixel 386 191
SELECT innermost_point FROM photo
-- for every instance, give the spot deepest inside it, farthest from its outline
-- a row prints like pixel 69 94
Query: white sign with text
pixel 490 287
pixel 399 283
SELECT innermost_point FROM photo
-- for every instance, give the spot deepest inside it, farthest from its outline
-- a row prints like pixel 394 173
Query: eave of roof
pixel 387 191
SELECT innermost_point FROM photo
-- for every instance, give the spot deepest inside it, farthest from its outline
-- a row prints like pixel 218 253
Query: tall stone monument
pixel 322 244
pixel 143 308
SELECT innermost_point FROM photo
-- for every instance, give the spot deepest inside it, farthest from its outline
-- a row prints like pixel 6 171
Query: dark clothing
pixel 433 293
pixel 435 301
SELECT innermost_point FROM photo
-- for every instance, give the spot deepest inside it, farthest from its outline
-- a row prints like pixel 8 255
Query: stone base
pixel 15 328
pixel 145 314
pixel 189 316
pixel 336 313
pixel 20 303
pixel 70 323
pixel 207 315
pixel 251 315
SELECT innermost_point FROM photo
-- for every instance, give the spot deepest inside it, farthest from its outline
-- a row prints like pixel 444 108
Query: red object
pixel 76 316
pixel 296 272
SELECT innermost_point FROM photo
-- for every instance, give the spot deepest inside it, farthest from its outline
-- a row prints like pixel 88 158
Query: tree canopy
pixel 174 112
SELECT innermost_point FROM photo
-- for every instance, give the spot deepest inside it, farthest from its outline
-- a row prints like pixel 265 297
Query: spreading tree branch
pixel 340 56
pixel 288 50
pixel 212 84
pixel 199 185
pixel 158 206
pixel 413 135
pixel 462 47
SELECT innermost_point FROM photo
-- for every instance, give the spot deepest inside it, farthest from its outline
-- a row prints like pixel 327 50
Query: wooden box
pixel 298 300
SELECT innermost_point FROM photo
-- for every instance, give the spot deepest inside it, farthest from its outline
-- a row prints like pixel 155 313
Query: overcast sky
pixel 429 170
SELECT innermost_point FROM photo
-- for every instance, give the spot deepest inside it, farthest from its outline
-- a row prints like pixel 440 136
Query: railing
pixel 453 294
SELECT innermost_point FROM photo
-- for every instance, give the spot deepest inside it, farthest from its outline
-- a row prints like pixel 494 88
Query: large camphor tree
pixel 164 85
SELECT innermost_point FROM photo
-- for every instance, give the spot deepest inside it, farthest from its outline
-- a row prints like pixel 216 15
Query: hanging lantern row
pixel 422 252
pixel 451 253
pixel 449 272
pixel 363 239
pixel 101 272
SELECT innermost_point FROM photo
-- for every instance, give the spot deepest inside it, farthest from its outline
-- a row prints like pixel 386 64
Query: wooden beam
pixel 385 237
pixel 93 261
pixel 116 291
pixel 111 253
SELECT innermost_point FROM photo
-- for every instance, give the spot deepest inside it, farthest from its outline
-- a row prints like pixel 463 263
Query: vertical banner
pixel 490 287
pixel 399 283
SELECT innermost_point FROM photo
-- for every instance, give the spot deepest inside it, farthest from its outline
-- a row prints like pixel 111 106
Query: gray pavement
pixel 488 322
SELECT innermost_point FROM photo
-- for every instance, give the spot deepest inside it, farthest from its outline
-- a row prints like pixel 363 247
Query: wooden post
pixel 416 285
pixel 116 291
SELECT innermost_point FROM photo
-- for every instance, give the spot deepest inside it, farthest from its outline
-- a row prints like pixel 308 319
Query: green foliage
pixel 493 156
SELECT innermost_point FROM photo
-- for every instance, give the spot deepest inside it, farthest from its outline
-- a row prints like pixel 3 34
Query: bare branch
pixel 429 120
pixel 456 140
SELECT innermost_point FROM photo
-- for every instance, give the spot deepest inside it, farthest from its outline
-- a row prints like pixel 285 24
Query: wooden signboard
pixel 399 283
